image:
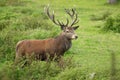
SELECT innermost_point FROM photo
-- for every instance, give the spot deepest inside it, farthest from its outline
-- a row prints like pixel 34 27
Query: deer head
pixel 67 30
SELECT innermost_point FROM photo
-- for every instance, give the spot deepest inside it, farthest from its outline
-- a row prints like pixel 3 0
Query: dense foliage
pixel 112 23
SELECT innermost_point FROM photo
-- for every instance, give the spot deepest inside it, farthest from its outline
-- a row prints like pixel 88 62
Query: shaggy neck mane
pixel 63 43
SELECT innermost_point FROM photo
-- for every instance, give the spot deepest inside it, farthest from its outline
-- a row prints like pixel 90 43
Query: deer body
pixel 52 47
pixel 43 48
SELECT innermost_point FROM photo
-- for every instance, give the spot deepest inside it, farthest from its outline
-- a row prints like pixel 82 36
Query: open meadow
pixel 95 55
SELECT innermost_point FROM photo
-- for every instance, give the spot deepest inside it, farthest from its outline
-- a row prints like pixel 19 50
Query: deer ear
pixel 75 27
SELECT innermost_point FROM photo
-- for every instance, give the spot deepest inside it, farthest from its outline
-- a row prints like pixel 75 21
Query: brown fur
pixel 42 48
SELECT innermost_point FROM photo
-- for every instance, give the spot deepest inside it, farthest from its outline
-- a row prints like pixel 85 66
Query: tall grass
pixel 38 70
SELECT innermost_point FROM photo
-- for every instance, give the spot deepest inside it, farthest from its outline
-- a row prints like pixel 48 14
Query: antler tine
pixel 60 23
pixel 52 17
pixel 67 22
pixel 75 21
pixel 73 13
pixel 68 11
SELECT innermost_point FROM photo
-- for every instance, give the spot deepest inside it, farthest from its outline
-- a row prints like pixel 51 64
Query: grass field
pixel 95 54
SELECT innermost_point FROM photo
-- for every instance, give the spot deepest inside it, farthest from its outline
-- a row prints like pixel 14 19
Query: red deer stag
pixel 53 46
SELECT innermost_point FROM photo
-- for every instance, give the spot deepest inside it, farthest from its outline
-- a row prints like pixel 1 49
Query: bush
pixel 11 2
pixel 112 24
pixel 30 22
pixel 39 70
pixel 72 74
pixel 4 24
pixel 100 16
pixel 6 19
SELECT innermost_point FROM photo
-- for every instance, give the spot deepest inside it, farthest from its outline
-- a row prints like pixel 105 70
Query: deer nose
pixel 76 37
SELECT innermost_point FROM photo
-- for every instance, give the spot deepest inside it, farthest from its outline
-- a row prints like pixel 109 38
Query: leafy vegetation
pixel 112 24
pixel 101 16
pixel 90 57
pixel 11 2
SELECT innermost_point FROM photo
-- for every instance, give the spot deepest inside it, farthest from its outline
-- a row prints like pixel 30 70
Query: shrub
pixel 112 24
pixel 72 74
pixel 4 24
pixel 8 40
pixel 11 2
pixel 100 16
pixel 2 2
pixel 39 70
pixel 109 24
pixel 6 19
pixel 30 22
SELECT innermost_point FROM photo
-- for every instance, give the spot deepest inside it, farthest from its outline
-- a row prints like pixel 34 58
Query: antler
pixel 52 17
pixel 72 13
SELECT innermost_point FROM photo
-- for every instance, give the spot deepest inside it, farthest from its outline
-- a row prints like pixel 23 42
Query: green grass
pixel 91 52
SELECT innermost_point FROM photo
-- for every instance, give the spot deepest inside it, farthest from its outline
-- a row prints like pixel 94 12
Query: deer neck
pixel 63 42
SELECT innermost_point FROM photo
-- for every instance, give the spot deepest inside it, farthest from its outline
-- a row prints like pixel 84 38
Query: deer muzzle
pixel 74 36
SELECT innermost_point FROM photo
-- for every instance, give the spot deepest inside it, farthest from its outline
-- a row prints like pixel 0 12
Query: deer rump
pixel 42 49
